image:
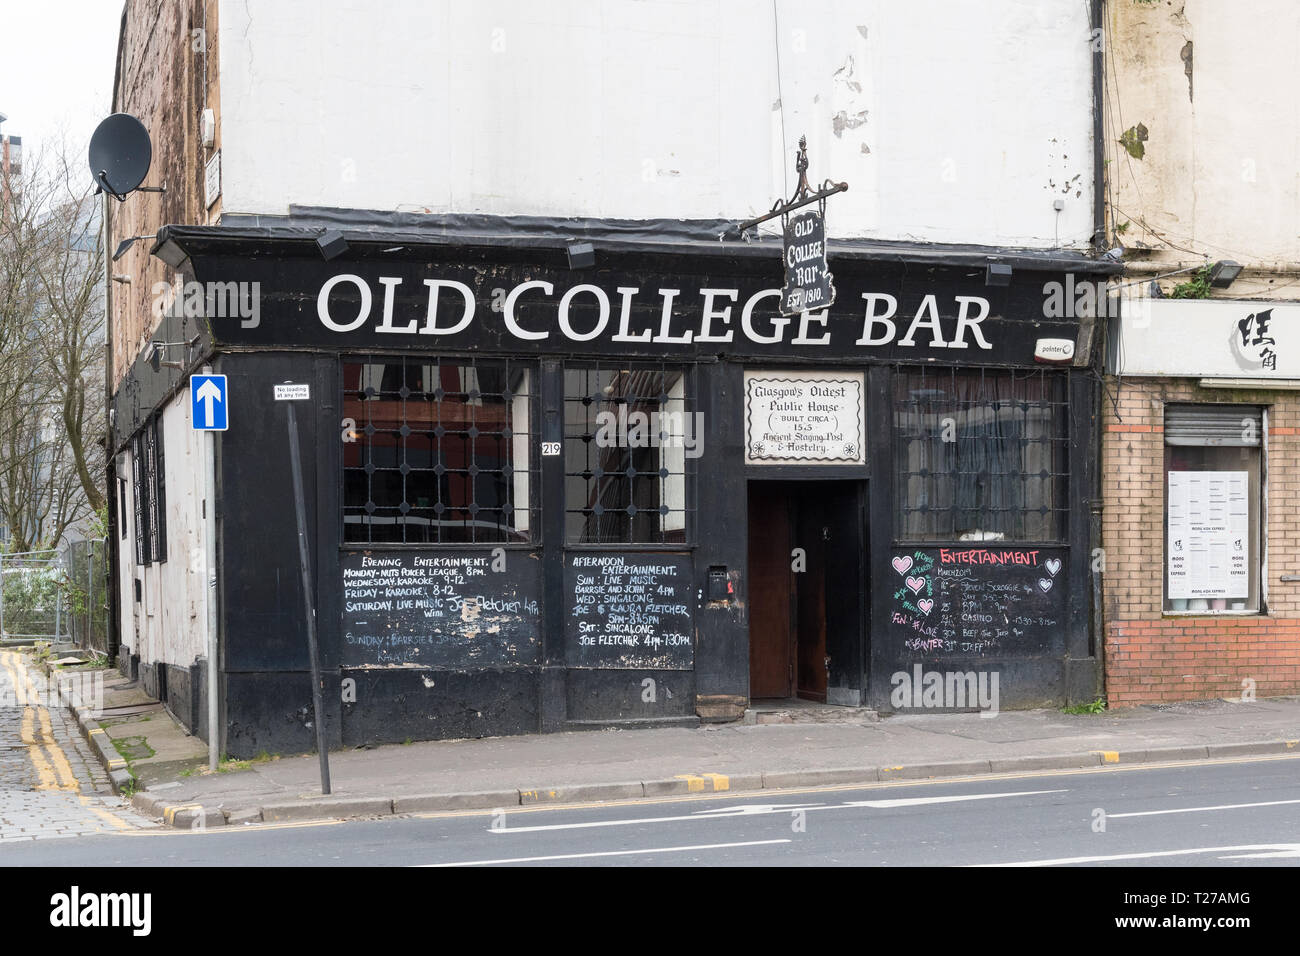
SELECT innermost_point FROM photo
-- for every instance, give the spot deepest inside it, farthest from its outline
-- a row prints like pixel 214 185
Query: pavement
pixel 803 750
pixel 150 758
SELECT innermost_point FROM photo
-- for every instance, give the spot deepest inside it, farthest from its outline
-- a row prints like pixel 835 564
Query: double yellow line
pixel 52 767
pixel 51 763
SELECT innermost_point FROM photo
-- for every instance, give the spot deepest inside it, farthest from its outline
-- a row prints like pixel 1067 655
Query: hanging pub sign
pixel 809 285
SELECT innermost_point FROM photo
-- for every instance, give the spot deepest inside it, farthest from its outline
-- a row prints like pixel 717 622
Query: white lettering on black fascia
pixel 880 328
pixel 535 309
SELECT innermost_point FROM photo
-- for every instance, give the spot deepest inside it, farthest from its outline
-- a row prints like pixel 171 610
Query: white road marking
pixel 1293 853
pixel 753 808
pixel 749 810
pixel 1269 850
pixel 919 801
pixel 584 856
pixel 1222 806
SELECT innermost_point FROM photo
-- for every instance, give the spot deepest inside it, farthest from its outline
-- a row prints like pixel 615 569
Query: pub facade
pixel 542 497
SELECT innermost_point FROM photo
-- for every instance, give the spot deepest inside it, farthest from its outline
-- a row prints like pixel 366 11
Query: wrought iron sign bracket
pixel 803 196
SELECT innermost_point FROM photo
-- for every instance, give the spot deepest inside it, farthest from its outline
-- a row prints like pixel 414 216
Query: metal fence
pixel 56 595
pixel 85 593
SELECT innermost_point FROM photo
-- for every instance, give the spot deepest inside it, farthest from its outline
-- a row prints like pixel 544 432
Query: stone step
pixel 808 713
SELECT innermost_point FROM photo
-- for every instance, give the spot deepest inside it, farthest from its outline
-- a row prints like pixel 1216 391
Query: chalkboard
pixel 448 610
pixel 977 601
pixel 630 611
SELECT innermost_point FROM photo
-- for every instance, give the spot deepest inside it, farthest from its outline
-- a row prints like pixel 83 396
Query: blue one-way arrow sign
pixel 208 403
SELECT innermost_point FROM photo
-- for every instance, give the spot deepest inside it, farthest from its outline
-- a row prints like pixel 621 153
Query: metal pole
pixel 111 621
pixel 2 594
pixel 308 604
pixel 210 559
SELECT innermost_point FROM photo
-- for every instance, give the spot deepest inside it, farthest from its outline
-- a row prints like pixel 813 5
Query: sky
pixel 56 68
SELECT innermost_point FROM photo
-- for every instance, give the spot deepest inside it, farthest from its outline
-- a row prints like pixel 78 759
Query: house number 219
pixel 550 448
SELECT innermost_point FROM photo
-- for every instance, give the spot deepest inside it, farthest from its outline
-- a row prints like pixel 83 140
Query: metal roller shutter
pixel 1240 426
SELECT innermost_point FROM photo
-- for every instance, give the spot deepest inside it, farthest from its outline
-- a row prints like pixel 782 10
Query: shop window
pixel 1213 505
pixel 981 454
pixel 436 451
pixel 628 430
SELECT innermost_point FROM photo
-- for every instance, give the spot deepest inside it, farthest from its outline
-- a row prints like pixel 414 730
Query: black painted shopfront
pixel 545 498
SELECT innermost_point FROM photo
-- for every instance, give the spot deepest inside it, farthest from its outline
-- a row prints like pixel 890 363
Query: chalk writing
pixel 976 601
pixel 445 611
pixel 632 611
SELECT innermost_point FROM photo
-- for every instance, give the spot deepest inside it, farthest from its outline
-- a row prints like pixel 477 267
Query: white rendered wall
pixel 171 618
pixel 951 121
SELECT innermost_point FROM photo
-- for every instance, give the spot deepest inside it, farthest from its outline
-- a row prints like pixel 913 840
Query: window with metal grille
pixel 981 454
pixel 628 429
pixel 139 498
pixel 158 494
pixel 149 493
pixel 437 450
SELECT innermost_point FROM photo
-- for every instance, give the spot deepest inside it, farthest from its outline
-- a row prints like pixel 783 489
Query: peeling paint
pixel 1186 55
pixel 845 75
pixel 843 120
pixel 1132 140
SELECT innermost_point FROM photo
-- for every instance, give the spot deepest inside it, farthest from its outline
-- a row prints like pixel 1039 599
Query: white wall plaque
pixel 804 418
pixel 212 180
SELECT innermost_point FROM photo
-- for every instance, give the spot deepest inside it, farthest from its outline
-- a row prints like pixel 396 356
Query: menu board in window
pixel 1209 534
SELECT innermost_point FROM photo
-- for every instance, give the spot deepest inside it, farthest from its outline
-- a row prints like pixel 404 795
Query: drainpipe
pixel 1097 15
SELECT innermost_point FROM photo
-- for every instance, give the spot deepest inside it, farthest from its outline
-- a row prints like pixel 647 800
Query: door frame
pixel 860 670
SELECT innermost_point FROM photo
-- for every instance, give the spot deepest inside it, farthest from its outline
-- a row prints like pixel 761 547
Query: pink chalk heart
pixel 915 584
pixel 1045 584
pixel 926 605
pixel 902 564
pixel 1053 565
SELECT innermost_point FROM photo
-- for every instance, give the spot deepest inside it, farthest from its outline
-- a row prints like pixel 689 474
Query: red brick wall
pixel 1152 657
pixel 161 81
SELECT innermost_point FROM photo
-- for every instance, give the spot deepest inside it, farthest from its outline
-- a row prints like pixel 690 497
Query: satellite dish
pixel 120 154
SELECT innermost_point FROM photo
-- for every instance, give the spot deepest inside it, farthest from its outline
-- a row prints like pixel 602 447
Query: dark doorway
pixel 806 590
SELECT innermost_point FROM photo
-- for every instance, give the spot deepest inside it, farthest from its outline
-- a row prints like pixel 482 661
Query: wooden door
pixel 770 633
pixel 813 535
